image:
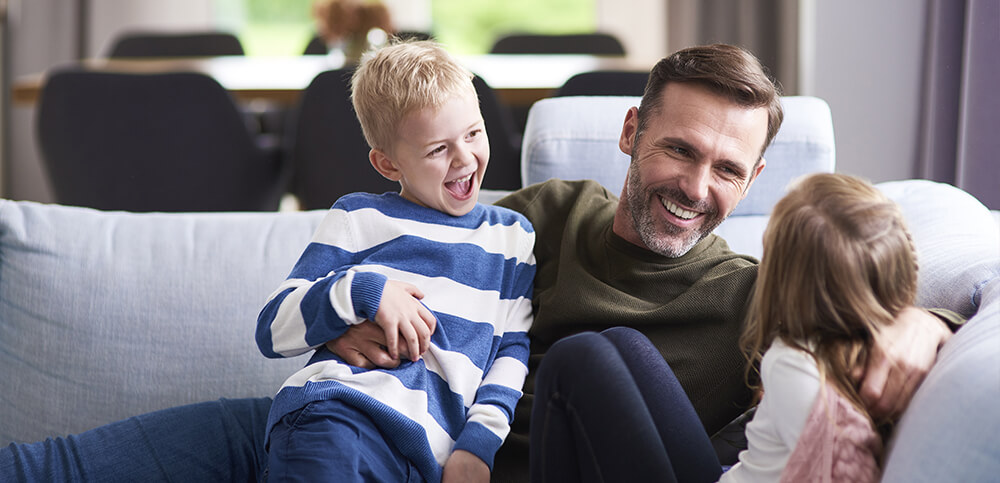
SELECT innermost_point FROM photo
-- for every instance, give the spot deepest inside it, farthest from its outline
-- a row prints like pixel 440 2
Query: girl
pixel 838 265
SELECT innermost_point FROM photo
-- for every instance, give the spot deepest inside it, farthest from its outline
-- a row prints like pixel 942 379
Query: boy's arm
pixel 316 304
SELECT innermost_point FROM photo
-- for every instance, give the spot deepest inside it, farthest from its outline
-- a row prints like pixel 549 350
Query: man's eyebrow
pixel 669 141
pixel 736 167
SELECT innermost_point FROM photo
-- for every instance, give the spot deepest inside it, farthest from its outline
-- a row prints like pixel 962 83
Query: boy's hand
pixel 898 365
pixel 400 314
pixel 463 466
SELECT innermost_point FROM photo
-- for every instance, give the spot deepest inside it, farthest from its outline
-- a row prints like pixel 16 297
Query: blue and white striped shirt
pixel 476 272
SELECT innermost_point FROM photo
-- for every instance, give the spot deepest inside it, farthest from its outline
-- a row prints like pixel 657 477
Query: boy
pixel 446 277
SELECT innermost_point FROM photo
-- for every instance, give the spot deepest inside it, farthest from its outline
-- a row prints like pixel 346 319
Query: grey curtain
pixel 960 124
pixel 768 28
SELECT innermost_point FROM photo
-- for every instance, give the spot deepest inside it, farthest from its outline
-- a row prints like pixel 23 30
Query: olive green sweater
pixel 589 279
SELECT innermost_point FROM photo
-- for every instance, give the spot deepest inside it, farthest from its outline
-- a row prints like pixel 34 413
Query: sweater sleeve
pixel 322 296
pixel 492 412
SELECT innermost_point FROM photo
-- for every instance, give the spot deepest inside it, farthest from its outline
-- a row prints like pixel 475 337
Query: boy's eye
pixel 438 150
pixel 475 132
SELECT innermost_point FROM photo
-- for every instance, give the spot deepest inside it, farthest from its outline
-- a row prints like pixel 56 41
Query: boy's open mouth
pixel 460 187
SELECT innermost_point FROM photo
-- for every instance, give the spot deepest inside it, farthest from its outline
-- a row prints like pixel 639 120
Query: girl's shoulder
pixel 785 359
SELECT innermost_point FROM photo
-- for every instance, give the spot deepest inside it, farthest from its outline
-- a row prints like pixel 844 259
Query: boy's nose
pixel 463 157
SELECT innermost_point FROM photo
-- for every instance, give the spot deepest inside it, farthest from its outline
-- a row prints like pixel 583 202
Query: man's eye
pixel 678 150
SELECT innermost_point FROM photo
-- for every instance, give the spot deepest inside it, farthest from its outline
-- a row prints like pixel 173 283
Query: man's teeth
pixel 678 211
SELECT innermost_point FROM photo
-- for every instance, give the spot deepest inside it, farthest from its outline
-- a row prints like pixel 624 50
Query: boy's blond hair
pixel 400 78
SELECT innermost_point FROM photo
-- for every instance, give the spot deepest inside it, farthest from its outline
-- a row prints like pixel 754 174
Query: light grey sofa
pixel 106 315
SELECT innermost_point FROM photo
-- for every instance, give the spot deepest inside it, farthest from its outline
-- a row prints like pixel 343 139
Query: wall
pixel 867 66
pixel 641 27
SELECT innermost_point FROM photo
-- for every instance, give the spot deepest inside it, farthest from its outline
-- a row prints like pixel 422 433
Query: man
pixel 649 260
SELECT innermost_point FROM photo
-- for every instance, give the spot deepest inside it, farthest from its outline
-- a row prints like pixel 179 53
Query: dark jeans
pixel 333 441
pixel 205 442
pixel 608 408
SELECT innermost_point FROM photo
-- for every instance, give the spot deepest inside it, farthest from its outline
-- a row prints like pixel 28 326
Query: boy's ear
pixel 384 165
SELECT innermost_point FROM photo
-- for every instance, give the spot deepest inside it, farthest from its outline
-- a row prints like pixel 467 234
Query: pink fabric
pixel 837 444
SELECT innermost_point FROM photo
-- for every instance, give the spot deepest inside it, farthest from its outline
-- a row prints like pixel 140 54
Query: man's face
pixel 695 161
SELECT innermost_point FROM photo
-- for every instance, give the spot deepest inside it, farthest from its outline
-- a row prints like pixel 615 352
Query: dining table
pixel 518 79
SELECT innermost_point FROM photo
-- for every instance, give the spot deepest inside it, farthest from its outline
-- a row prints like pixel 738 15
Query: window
pixel 269 28
pixel 471 26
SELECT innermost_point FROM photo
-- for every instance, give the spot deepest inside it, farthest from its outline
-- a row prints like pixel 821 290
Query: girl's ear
pixel 384 165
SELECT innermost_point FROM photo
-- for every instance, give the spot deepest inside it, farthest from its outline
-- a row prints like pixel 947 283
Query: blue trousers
pixel 333 441
pixel 608 408
pixel 205 442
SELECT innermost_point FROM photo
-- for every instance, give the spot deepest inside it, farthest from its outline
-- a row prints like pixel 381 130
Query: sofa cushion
pixel 105 315
pixel 577 138
pixel 957 239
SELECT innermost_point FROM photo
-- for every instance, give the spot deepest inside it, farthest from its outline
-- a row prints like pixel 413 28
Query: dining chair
pixel 596 43
pixel 504 171
pixel 142 44
pixel 326 149
pixel 152 142
pixel 328 153
pixel 604 83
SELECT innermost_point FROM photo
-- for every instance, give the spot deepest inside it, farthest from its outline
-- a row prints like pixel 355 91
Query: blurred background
pixel 875 63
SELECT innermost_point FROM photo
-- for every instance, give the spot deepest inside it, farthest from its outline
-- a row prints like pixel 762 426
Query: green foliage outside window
pixel 282 28
pixel 471 26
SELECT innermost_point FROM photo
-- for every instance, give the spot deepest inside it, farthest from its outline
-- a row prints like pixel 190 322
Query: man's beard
pixel 664 238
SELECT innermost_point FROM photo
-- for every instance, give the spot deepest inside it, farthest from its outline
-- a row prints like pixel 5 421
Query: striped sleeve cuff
pixel 478 440
pixel 366 293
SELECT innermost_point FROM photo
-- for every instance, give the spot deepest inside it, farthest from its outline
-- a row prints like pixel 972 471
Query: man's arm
pixel 900 360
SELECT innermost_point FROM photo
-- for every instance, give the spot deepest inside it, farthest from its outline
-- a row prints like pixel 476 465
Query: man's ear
pixel 754 175
pixel 384 165
pixel 627 139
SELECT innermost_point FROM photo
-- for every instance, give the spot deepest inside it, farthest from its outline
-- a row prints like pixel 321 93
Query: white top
pixel 791 382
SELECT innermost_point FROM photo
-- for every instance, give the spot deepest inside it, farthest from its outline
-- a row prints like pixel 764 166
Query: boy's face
pixel 440 156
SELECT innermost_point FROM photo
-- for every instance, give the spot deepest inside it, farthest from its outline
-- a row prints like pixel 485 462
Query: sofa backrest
pixel 106 315
pixel 577 138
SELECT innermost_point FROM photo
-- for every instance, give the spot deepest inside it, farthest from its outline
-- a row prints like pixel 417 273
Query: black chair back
pixel 162 44
pixel 504 170
pixel 591 43
pixel 604 83
pixel 326 147
pixel 151 142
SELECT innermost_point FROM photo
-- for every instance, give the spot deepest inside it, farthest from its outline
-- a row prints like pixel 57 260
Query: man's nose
pixel 695 181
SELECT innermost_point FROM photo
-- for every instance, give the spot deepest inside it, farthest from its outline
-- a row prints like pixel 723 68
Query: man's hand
pixel 463 466
pixel 363 345
pixel 899 362
pixel 403 318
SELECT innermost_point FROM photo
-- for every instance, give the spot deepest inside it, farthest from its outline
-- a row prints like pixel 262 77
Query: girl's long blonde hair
pixel 838 265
